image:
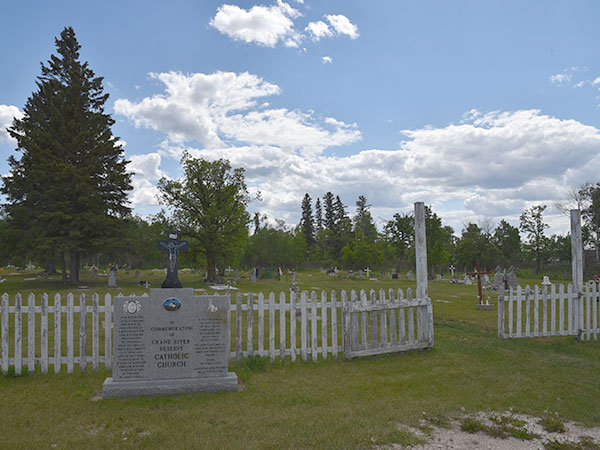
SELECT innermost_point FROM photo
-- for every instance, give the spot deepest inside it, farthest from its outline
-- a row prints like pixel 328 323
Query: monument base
pixel 117 389
pixel 485 307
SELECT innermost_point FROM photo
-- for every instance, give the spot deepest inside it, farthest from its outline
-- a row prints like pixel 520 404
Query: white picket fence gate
pixel 301 327
pixel 553 311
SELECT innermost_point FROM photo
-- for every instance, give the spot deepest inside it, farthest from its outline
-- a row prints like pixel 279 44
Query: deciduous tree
pixel 210 205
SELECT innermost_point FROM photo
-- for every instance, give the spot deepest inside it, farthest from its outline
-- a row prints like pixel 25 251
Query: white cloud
pixel 596 82
pixel 342 25
pixel 318 30
pixel 490 164
pixel 221 109
pixel 327 60
pixel 147 166
pixel 144 193
pixel 560 78
pixel 263 25
pixel 7 114
pixel 276 24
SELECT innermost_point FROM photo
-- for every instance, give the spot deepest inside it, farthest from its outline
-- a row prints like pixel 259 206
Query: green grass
pixel 330 404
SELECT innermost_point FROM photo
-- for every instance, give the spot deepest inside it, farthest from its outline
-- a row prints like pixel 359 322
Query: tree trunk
pixel 210 262
pixel 63 268
pixel 74 267
pixel 50 265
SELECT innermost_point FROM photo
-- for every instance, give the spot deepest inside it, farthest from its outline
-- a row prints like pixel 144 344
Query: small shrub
pixel 471 425
pixel 552 423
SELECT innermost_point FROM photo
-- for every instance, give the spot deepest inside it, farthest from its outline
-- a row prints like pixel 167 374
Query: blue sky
pixel 478 108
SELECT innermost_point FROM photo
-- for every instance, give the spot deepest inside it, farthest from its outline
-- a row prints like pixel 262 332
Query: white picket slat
pixel 82 332
pixel 57 333
pixel 31 333
pixel 18 333
pixel 70 341
pixel 44 334
pixel 4 333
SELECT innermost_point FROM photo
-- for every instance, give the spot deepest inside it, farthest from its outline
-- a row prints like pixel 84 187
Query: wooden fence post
pixel 421 251
pixel 577 269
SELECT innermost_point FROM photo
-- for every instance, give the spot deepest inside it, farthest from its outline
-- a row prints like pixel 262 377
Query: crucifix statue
pixel 478 274
pixel 172 245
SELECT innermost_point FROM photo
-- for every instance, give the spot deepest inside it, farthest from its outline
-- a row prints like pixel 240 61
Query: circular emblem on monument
pixel 172 304
pixel 132 306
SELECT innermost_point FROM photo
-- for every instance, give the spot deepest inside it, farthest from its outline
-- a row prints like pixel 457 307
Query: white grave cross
pixel 452 268
pixel 368 271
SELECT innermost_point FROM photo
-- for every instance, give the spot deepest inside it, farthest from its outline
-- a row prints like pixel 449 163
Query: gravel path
pixel 453 438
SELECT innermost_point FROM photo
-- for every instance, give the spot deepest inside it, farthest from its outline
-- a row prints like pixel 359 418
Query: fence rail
pixel 553 311
pixel 306 327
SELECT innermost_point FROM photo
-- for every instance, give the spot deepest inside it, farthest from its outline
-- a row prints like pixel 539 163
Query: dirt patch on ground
pixel 497 431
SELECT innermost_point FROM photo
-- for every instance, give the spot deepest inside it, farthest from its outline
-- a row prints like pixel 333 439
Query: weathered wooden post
pixel 421 250
pixel 421 259
pixel 577 270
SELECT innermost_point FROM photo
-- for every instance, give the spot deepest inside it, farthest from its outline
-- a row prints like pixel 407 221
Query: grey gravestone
pixel 394 275
pixel 360 273
pixel 253 277
pixel 511 278
pixel 171 342
pixel 498 279
pixel 409 275
pixel 112 278
pixel 486 279
pixel 172 245
pixel 468 280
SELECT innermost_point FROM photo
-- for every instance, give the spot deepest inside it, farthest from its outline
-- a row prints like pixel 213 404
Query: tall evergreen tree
pixel 67 193
pixel 329 212
pixel 319 214
pixel 308 222
pixel 342 227
pixel 364 227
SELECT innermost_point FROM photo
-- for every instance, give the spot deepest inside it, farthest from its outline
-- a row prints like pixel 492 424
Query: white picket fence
pixel 303 328
pixel 553 311
pixel 379 325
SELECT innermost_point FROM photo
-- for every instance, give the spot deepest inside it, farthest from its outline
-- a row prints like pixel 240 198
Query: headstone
pixel 171 342
pixel 546 281
pixel 172 245
pixel 94 270
pixel 511 278
pixel 410 276
pixel 368 272
pixel 253 277
pixel 498 279
pixel 452 269
pixel 486 278
pixel 468 281
pixel 394 275
pixel 439 277
pixel 112 278
pixel 360 273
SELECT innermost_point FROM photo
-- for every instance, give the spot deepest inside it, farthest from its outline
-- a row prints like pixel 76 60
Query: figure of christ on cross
pixel 478 273
pixel 172 245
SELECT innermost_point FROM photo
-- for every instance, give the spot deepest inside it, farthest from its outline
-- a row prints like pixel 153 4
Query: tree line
pixel 66 205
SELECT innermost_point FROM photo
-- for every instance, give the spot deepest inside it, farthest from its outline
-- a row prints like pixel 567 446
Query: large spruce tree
pixel 68 191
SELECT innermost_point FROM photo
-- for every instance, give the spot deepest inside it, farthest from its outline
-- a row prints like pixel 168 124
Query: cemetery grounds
pixel 385 401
